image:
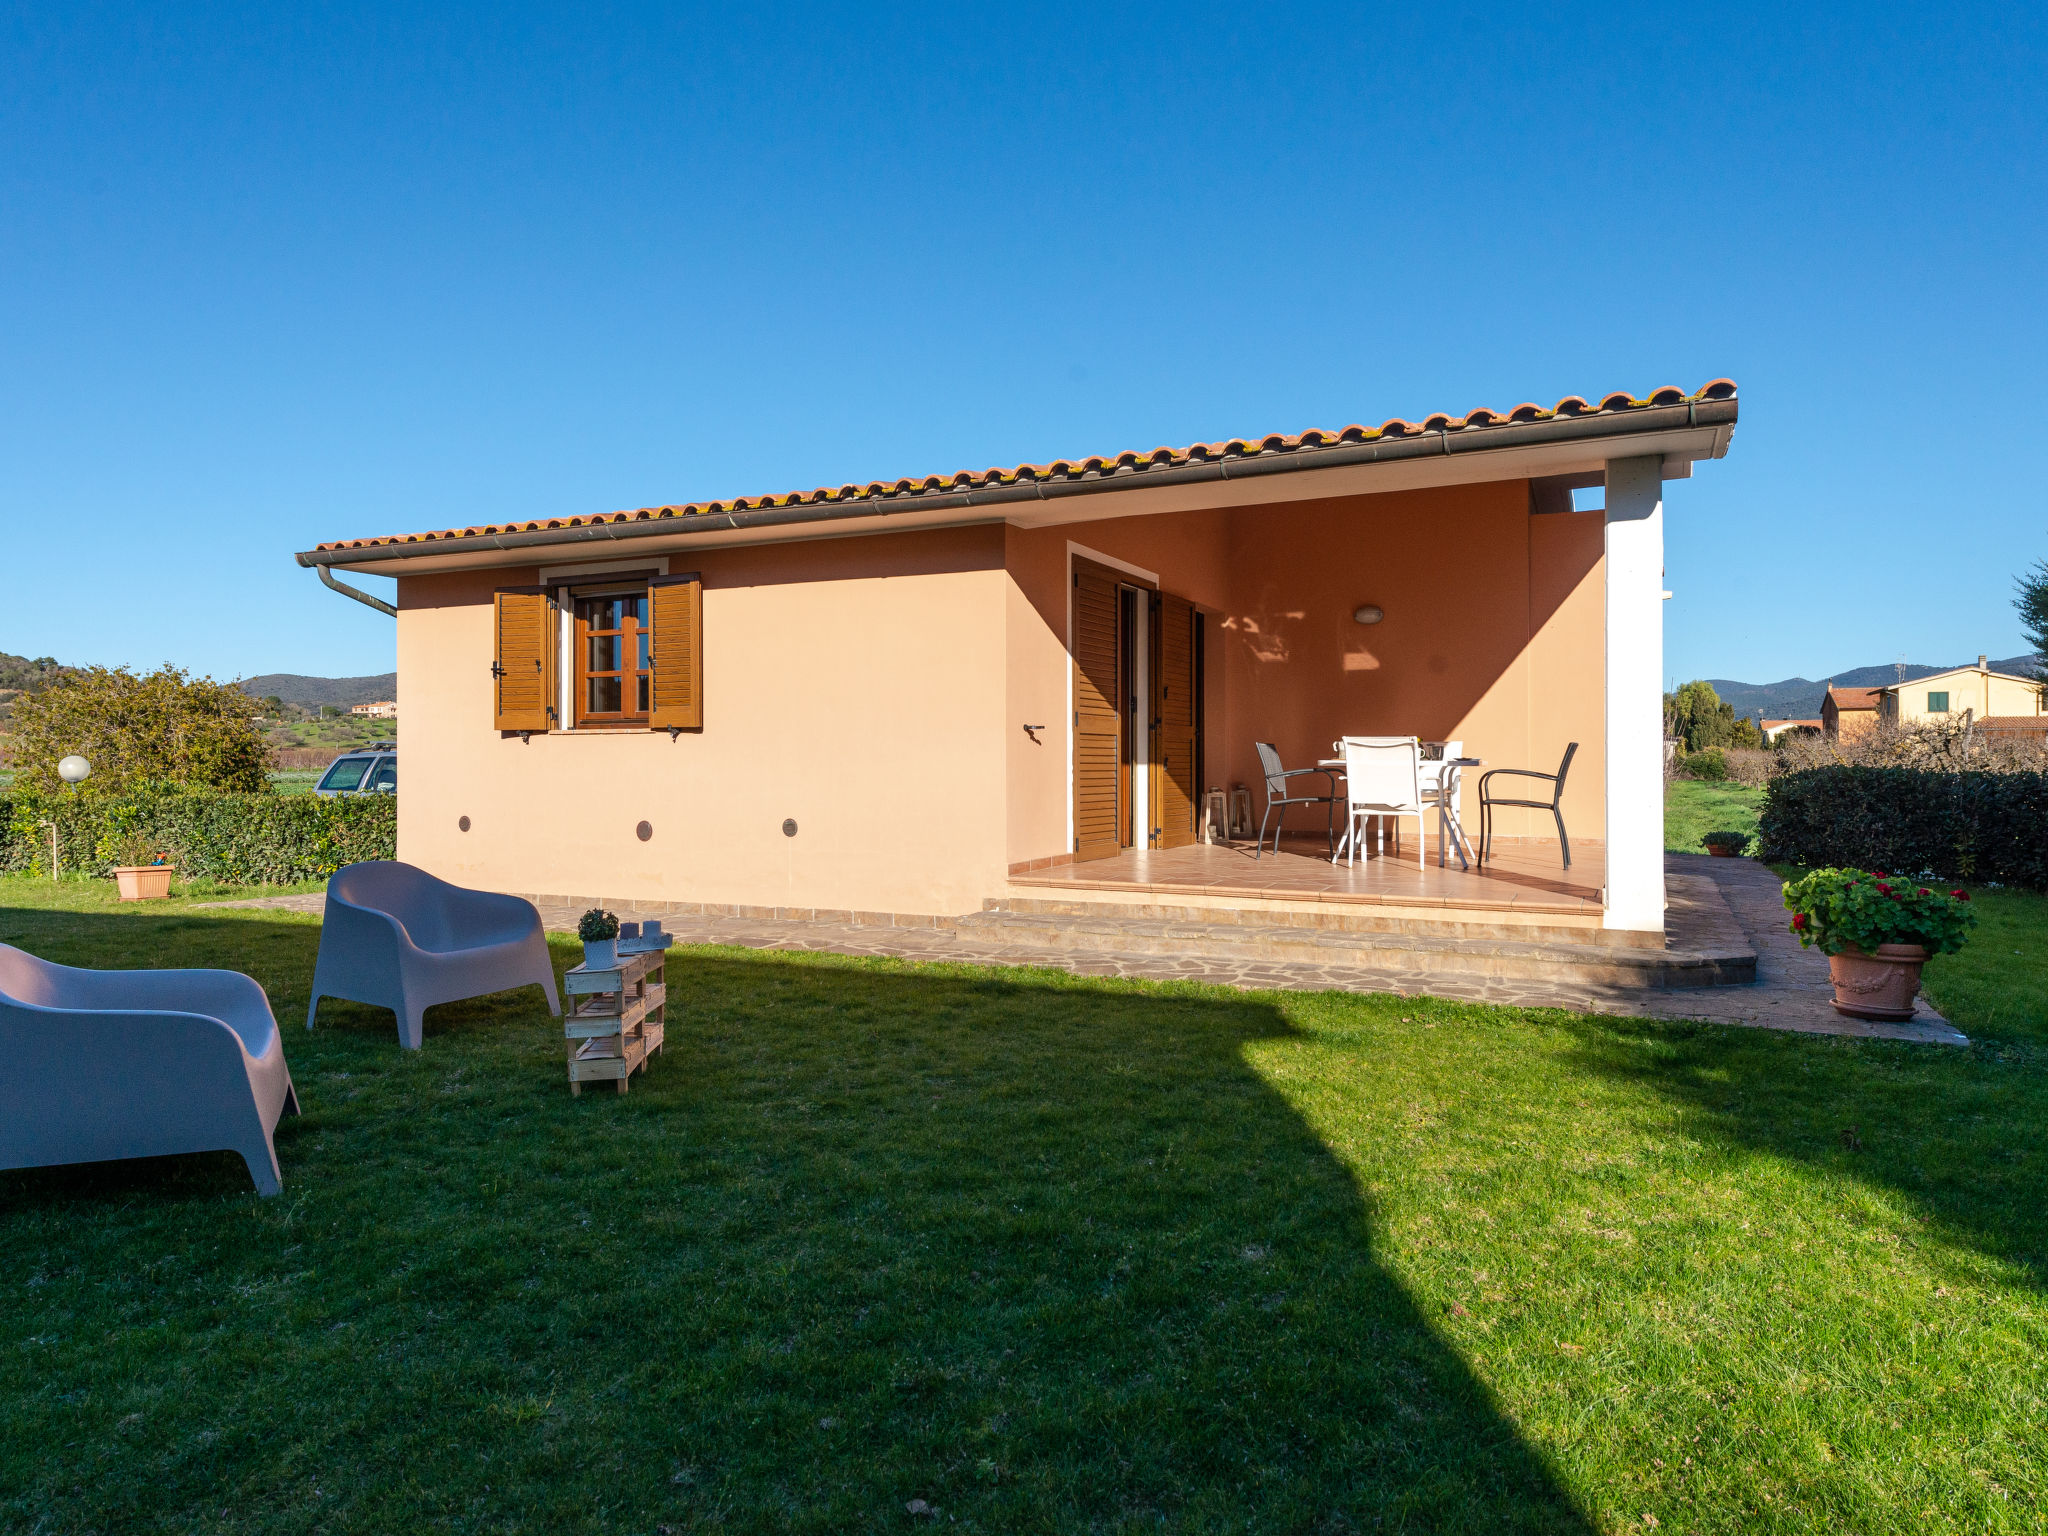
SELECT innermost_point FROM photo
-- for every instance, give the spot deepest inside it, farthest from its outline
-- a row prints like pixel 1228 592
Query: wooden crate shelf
pixel 616 1018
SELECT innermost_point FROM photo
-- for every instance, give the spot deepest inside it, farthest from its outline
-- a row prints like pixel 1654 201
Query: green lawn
pixel 1692 808
pixel 1048 1254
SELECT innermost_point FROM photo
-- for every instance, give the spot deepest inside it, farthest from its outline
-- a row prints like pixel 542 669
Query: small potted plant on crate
pixel 599 931
pixel 1726 845
pixel 1877 930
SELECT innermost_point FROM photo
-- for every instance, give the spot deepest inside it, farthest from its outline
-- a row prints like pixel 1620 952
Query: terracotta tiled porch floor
pixel 1522 877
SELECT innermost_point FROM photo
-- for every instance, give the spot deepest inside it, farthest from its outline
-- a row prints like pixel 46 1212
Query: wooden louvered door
pixel 1175 721
pixel 1098 687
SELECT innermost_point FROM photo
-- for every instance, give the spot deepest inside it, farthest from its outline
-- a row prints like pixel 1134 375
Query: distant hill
pixel 1798 698
pixel 30 676
pixel 312 692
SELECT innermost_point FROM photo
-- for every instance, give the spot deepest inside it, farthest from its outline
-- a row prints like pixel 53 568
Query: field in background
pixel 1692 808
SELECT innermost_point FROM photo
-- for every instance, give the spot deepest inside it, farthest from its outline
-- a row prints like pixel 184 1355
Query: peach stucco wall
pixel 876 690
pixel 851 684
pixel 1493 635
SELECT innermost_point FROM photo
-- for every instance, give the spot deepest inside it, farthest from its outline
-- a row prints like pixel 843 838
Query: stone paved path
pixel 1791 992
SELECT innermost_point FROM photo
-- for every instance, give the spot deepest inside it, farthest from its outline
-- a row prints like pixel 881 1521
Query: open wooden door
pixel 1098 685
pixel 1176 718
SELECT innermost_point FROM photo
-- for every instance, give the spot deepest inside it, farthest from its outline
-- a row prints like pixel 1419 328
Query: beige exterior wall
pixel 854 685
pixel 1986 692
pixel 876 690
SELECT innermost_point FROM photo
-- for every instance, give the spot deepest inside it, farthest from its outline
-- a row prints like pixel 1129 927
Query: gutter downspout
pixel 378 603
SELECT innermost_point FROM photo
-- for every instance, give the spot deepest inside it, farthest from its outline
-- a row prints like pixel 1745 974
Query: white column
pixel 1635 694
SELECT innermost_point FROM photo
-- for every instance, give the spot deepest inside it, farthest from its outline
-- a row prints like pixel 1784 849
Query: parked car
pixel 371 770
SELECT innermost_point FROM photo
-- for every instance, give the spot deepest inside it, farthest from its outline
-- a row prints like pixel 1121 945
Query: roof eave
pixel 1718 416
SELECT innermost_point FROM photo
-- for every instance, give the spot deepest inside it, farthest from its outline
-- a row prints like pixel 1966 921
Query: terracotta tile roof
pixel 1855 698
pixel 1572 407
pixel 1771 725
pixel 2032 725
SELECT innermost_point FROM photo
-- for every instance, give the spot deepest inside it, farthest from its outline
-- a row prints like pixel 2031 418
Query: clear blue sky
pixel 273 275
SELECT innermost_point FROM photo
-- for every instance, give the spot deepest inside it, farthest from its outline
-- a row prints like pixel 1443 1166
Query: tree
pixel 2033 606
pixel 164 726
pixel 1702 719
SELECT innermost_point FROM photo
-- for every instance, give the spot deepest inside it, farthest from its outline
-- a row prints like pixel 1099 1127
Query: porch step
pixel 1724 962
pixel 1464 922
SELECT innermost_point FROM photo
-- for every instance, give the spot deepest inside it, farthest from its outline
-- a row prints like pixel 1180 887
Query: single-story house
pixel 1773 729
pixel 906 696
pixel 1977 690
pixel 1846 713
pixel 380 709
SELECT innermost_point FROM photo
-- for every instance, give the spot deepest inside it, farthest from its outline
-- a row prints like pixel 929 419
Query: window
pixel 385 779
pixel 1937 703
pixel 611 658
pixel 624 651
pixel 346 774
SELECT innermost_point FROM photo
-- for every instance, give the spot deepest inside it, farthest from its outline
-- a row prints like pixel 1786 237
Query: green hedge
pixel 1959 826
pixel 212 834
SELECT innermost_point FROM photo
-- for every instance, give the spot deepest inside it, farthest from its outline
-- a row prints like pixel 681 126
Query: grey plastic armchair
pixel 395 937
pixel 96 1065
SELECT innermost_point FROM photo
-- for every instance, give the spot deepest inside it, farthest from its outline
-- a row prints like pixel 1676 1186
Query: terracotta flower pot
pixel 143 882
pixel 1879 986
pixel 1720 852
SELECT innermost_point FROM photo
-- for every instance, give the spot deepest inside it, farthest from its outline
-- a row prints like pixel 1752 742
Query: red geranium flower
pixel 1883 887
pixel 1925 892
pixel 1960 895
pixel 1878 873
pixel 1799 922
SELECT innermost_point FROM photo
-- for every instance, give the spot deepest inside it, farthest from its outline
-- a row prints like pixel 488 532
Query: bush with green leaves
pixel 1980 827
pixel 1710 765
pixel 1734 842
pixel 1855 909
pixel 597 925
pixel 210 834
pixel 162 726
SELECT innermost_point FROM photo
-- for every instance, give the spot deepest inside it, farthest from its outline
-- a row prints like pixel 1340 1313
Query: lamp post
pixel 73 770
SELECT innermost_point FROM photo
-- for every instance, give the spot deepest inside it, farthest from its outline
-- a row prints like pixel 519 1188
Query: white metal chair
pixel 1440 787
pixel 1382 777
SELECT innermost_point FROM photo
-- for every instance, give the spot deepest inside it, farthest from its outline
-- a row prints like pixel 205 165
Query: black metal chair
pixel 1488 800
pixel 1277 798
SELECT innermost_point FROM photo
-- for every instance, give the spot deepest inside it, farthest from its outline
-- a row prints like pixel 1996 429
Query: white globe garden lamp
pixel 74 769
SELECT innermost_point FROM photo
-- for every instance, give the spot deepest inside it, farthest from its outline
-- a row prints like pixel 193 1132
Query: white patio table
pixel 1447 808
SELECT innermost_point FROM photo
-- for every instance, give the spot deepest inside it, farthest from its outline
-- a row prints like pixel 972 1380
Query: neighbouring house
pixel 1977 691
pixel 1773 729
pixel 1846 713
pixel 2015 727
pixel 912 696
pixel 383 709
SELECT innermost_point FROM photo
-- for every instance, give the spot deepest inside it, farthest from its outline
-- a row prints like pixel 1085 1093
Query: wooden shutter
pixel 1174 716
pixel 675 663
pixel 523 670
pixel 1097 724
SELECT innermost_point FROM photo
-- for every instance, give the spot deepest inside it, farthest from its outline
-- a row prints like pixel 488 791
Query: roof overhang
pixel 1557 450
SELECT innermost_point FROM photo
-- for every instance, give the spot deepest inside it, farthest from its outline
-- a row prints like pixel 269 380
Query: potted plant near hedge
pixel 599 931
pixel 141 874
pixel 1877 931
pixel 1726 845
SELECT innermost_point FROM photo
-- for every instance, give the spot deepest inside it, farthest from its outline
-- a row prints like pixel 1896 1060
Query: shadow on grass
pixel 1042 1253
pixel 1955 1132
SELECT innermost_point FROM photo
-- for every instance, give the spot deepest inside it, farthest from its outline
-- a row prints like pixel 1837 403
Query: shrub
pixel 1734 842
pixel 211 834
pixel 1838 909
pixel 1956 826
pixel 162 727
pixel 597 925
pixel 1710 765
